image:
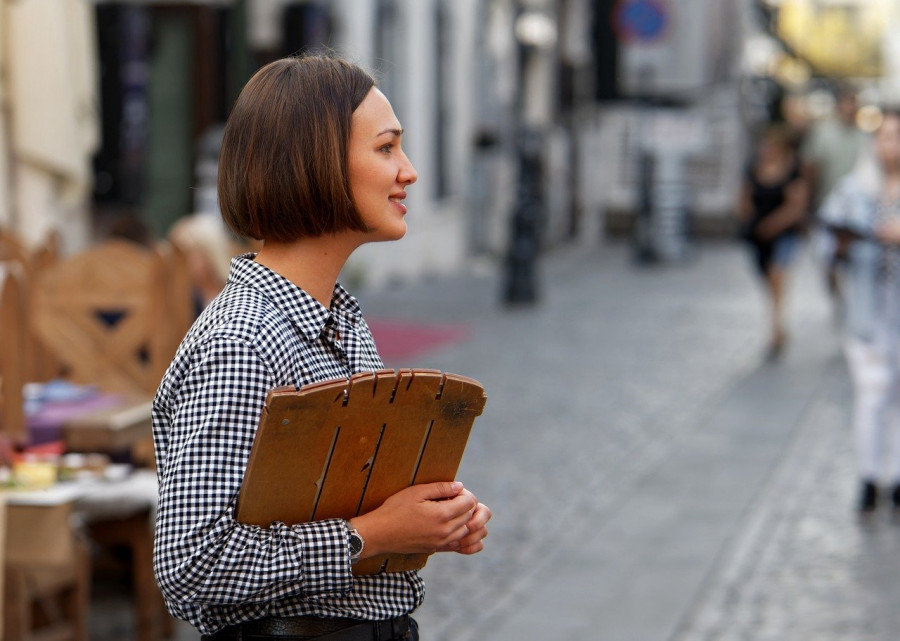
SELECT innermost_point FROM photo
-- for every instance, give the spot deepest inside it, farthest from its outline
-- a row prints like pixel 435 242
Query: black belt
pixel 316 628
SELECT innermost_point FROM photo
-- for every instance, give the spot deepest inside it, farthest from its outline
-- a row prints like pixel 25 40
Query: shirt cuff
pixel 325 556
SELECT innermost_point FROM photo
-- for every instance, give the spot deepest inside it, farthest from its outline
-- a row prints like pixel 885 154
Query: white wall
pixel 435 242
pixel 463 84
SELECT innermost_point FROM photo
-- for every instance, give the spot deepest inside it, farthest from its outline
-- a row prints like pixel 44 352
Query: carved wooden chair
pixel 102 314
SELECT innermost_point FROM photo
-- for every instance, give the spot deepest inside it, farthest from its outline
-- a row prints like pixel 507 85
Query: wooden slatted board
pixel 340 448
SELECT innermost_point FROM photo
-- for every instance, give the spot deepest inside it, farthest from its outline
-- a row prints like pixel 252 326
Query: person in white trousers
pixel 863 211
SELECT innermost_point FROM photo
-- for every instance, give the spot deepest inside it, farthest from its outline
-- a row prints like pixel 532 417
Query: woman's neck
pixel 313 264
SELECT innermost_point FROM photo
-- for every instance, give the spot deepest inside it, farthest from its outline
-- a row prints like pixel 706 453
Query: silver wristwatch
pixel 356 543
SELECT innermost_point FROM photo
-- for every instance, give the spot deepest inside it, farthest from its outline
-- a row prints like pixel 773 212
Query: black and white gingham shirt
pixel 261 332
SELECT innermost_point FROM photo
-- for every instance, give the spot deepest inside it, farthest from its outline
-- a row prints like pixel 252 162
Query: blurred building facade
pixel 606 83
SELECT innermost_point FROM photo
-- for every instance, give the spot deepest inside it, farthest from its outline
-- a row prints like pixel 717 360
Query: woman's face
pixel 378 170
pixel 887 141
pixel 771 149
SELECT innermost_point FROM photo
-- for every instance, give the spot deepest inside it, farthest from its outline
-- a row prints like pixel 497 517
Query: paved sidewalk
pixel 652 478
pixel 800 566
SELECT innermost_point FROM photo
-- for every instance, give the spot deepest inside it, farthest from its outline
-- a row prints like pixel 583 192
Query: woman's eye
pixel 386 148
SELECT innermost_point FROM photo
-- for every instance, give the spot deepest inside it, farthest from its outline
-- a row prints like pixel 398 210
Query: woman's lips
pixel 396 199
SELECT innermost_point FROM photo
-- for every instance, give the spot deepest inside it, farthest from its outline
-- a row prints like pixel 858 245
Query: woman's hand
pixel 424 519
pixel 472 542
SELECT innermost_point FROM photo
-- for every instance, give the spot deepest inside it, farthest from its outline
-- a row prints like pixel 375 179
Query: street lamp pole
pixel 535 32
pixel 524 243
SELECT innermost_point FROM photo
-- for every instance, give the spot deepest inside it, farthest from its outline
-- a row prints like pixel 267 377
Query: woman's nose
pixel 408 173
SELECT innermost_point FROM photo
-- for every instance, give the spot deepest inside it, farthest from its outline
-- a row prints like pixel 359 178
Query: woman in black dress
pixel 773 205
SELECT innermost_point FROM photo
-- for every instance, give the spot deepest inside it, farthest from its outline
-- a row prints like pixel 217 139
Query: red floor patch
pixel 398 340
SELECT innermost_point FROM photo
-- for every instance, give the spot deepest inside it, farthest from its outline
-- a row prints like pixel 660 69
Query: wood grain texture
pixel 340 448
pixel 13 334
pixel 102 313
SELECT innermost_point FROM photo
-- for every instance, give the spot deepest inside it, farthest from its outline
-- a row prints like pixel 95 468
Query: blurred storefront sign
pixel 837 38
pixel 641 20
pixel 673 49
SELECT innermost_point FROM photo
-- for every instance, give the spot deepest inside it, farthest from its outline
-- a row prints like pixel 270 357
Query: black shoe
pixel 895 497
pixel 868 499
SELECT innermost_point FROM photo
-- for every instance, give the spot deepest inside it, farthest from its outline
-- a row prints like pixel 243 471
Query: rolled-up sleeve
pixel 209 416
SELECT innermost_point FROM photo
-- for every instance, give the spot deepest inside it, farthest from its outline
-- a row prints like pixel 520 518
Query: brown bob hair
pixel 283 162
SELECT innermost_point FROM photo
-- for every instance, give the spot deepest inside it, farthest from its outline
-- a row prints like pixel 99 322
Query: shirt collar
pixel 305 312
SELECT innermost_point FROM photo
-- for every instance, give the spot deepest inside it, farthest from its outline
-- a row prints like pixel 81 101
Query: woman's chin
pixel 386 235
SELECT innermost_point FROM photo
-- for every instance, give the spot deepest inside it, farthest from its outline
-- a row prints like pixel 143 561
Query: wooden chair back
pixel 12 352
pixel 40 365
pixel 13 249
pixel 102 314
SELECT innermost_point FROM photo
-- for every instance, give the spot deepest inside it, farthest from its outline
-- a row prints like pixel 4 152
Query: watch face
pixel 356 544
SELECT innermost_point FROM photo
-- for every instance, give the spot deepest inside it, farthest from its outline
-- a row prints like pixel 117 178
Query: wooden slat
pixel 337 449
pixel 12 353
pixel 461 401
pixel 361 429
pixel 289 421
pixel 408 420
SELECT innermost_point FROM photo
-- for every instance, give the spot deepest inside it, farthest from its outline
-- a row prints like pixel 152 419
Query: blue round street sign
pixel 641 20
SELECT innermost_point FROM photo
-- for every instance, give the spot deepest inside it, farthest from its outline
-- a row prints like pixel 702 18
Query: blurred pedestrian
pixel 863 213
pixel 830 152
pixel 207 246
pixel 312 164
pixel 795 115
pixel 772 210
pixel 833 145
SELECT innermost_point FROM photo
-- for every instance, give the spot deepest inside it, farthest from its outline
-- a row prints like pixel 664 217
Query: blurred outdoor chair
pixel 47 575
pixel 104 314
pixel 101 313
pixel 40 365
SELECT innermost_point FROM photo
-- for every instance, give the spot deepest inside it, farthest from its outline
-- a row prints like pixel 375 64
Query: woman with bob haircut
pixel 312 165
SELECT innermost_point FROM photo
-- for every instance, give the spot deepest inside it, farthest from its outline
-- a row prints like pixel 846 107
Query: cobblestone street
pixel 652 478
